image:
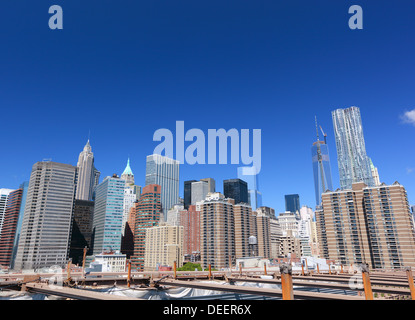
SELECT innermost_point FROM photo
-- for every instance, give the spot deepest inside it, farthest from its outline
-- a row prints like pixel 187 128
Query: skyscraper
pixel 236 189
pixel 321 167
pixel 190 220
pixel 211 184
pixel 131 192
pixel 88 175
pixel 187 193
pixel 147 215
pixel 200 189
pixel 292 203
pixel 108 215
pixel 46 227
pixel 254 195
pixel 353 162
pixel 82 230
pixel 8 231
pixel 164 172
pixel 4 195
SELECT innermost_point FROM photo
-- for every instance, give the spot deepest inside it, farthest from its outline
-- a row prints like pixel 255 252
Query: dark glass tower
pixel 292 203
pixel 187 193
pixel 236 189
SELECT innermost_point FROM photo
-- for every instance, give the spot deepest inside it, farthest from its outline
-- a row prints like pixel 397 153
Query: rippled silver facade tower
pixel 353 162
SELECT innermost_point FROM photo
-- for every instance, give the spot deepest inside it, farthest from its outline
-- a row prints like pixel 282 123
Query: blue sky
pixel 123 69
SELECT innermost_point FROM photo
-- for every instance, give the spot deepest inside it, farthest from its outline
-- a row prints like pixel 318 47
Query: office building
pixel 263 234
pixel 24 187
pixel 46 226
pixel 249 175
pixel 236 189
pixel 321 167
pixel 353 162
pixel 275 236
pixel 164 172
pixel 163 247
pixel 211 184
pixel 4 196
pixel 187 193
pixel 288 222
pixel 375 173
pixel 292 203
pixel 148 215
pixel 88 175
pixel 108 215
pixel 8 231
pixel 200 190
pixel 82 230
pixel 367 225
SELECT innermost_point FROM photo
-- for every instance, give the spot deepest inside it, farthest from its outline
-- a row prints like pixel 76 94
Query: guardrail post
pixel 366 282
pixel 265 268
pixel 318 269
pixel 341 270
pixel 329 268
pixel 286 282
pixel 240 269
pixel 129 274
pixel 302 270
pixel 68 278
pixel 411 282
pixel 175 270
pixel 83 262
pixel 210 271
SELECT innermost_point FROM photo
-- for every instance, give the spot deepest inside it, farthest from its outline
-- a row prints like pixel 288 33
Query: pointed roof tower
pixel 128 174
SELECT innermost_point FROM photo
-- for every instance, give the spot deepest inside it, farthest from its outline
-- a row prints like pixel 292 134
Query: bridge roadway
pixel 392 283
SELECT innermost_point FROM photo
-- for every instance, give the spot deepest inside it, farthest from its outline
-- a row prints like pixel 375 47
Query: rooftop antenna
pixel 318 139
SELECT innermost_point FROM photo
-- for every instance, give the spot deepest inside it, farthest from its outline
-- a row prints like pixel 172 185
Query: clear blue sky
pixel 123 69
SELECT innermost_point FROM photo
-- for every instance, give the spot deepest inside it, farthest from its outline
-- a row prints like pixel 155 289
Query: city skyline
pixel 160 73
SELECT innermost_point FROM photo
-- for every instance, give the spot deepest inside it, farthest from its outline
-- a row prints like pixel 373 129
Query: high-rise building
pixel 321 167
pixel 243 229
pixel 163 247
pixel 288 222
pixel 108 215
pixel 367 225
pixel 190 221
pixel 353 162
pixel 82 230
pixel 217 231
pixel 292 203
pixel 375 173
pixel 88 175
pixel 187 193
pixel 249 175
pixel 263 234
pixel 200 189
pixel 128 175
pixel 164 172
pixel 148 215
pixel 275 236
pixel 236 189
pixel 173 215
pixel 211 184
pixel 8 231
pixel 270 212
pixel 131 193
pixel 24 186
pixel 46 227
pixel 4 195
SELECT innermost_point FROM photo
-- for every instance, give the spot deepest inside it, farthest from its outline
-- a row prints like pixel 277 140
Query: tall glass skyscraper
pixel 164 172
pixel 254 195
pixel 108 214
pixel 88 175
pixel 236 189
pixel 292 203
pixel 321 167
pixel 353 162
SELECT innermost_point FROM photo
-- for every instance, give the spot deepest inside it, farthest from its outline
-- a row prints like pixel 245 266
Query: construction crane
pixel 324 134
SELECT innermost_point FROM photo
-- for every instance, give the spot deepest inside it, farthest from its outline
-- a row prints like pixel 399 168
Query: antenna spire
pixel 318 139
